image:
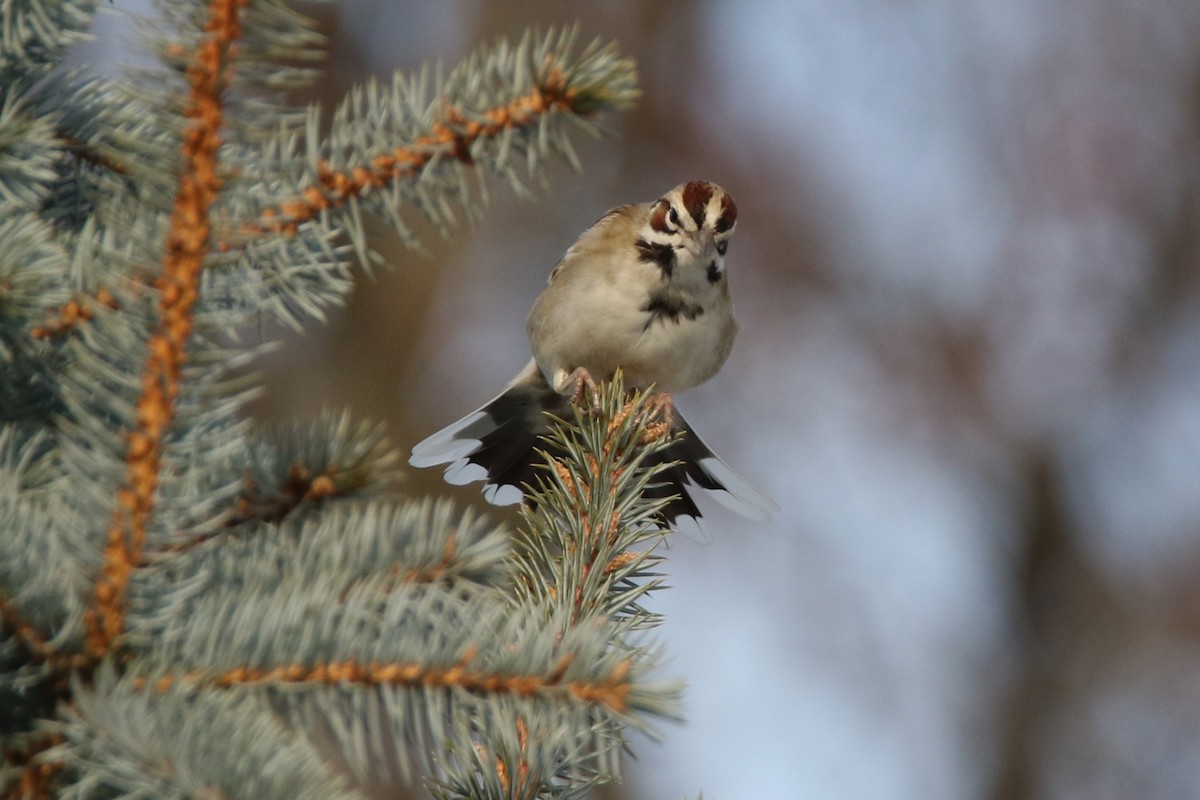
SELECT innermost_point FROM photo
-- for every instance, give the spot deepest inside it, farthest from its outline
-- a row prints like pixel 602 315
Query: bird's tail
pixel 496 443
pixel 692 466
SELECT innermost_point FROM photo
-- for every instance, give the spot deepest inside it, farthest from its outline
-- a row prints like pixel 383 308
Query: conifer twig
pixel 75 311
pixel 599 468
pixel 11 619
pixel 611 692
pixel 36 776
pixel 85 153
pixel 452 137
pixel 187 243
pixel 148 528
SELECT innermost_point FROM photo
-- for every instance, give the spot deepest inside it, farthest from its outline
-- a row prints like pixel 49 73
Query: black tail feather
pixel 504 436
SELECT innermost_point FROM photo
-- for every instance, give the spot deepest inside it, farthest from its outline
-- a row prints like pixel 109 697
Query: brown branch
pixel 254 505
pixel 450 137
pixel 74 312
pixel 502 769
pixel 522 748
pixel 11 619
pixel 34 783
pixel 188 241
pixel 620 561
pixel 432 573
pixel 398 576
pixel 655 418
pixel 522 775
pixel 655 421
pixel 85 153
pixel 611 692
pixel 301 486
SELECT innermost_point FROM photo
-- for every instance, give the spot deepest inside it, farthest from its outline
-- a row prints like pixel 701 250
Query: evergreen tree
pixel 193 605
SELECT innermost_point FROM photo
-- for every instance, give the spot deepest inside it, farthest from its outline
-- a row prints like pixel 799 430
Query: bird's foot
pixel 580 386
pixel 662 406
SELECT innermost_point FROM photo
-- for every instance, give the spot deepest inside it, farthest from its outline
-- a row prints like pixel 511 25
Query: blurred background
pixel 966 268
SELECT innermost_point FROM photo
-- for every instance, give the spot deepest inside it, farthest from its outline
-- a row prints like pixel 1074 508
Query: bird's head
pixel 689 228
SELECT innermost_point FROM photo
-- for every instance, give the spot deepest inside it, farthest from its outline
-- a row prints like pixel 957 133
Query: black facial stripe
pixel 714 272
pixel 662 307
pixel 655 253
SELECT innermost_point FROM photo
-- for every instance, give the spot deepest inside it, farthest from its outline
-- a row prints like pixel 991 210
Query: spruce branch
pixel 31 267
pixel 35 36
pixel 75 311
pixel 28 635
pixel 582 564
pixel 181 744
pixel 301 464
pixel 34 775
pixel 592 505
pixel 28 152
pixel 85 153
pixel 193 604
pixel 411 144
pixel 187 243
pixel 119 152
pixel 610 691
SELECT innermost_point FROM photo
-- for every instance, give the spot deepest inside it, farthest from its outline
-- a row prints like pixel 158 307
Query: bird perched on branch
pixel 643 290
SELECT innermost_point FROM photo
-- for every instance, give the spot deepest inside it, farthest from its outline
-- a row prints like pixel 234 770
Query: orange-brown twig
pixel 17 626
pixel 72 313
pixel 523 745
pixel 398 576
pixel 611 692
pixel 85 153
pixel 301 486
pixel 432 573
pixel 450 137
pixel 12 620
pixel 188 241
pixel 522 762
pixel 34 783
pixel 621 561
pixel 604 531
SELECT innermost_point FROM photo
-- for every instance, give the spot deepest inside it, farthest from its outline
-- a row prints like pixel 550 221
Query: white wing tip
pixel 502 495
pixel 446 445
pixel 738 495
pixel 693 528
pixel 463 471
pixel 448 453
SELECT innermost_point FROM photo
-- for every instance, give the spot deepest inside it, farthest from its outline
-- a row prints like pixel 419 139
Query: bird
pixel 643 290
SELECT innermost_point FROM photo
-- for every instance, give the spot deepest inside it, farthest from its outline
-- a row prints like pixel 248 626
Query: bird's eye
pixel 673 217
pixel 722 247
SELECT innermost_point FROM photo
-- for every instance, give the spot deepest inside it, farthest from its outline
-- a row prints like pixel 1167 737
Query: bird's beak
pixel 702 245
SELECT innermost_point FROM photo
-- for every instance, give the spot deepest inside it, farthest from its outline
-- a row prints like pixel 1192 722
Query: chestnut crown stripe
pixel 695 199
pixel 728 214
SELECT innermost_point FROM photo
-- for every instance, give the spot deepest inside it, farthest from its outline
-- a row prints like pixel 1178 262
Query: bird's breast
pixel 681 345
pixel 622 317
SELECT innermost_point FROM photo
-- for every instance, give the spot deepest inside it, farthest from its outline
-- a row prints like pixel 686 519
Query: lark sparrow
pixel 644 289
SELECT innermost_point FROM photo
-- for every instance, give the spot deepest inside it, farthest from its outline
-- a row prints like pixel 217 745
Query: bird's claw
pixel 581 387
pixel 661 404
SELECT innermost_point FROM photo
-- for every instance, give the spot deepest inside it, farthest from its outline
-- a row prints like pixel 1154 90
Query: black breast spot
pixel 664 308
